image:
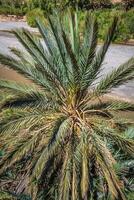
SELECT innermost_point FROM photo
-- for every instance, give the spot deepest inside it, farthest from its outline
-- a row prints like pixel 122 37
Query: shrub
pixel 5 10
pixel 33 14
pixel 130 21
pixel 125 29
pixel 126 26
pixel 102 4
pixel 95 4
pixel 128 4
pixel 14 7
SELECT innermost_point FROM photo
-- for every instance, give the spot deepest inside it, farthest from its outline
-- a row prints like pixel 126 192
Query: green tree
pixel 58 128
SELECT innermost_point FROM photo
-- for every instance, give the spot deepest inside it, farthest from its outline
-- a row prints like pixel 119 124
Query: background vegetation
pixel 103 9
pixel 125 29
pixel 22 6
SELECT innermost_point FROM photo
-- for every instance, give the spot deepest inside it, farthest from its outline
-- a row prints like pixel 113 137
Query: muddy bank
pixel 12 18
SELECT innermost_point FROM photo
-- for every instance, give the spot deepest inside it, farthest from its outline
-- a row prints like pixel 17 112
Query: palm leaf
pixel 99 58
pixel 58 129
pixel 122 74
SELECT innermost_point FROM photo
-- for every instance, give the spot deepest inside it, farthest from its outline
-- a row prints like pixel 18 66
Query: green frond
pixel 29 71
pixel 45 32
pixel 102 52
pixel 89 48
pixel 50 150
pixel 73 26
pixel 127 145
pixel 46 67
pixel 109 106
pixel 17 87
pixel 32 44
pixel 121 75
pixel 95 106
pixel 73 59
pixel 120 105
pixel 20 150
pixel 58 128
pixel 129 133
pixel 75 181
pixel 105 161
pixel 19 119
pixel 85 165
pixel 65 182
pixel 57 33
pixel 24 101
pixel 23 95
pixel 55 57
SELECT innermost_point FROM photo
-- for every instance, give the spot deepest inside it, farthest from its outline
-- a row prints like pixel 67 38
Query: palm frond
pixel 20 151
pixel 57 33
pixel 122 74
pixel 24 88
pixel 45 34
pixel 65 184
pixel 85 166
pixel 105 163
pixel 74 31
pixel 89 48
pixel 19 119
pixel 102 52
pixel 75 67
pixel 58 128
pixel 111 105
pixel 23 94
pixel 75 182
pixel 120 105
pixel 35 48
pixel 51 148
pixel 127 145
pixel 25 68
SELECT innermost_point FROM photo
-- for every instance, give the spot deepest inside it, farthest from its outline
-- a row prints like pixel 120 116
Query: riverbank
pixel 129 42
pixel 12 18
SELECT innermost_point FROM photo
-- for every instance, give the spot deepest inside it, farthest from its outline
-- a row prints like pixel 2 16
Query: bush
pixel 5 10
pixel 126 26
pixel 13 7
pixel 87 4
pixel 33 14
pixel 130 21
pixel 125 29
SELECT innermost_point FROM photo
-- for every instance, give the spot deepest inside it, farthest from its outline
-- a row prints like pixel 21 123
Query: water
pixel 7 40
pixel 116 55
pixel 14 25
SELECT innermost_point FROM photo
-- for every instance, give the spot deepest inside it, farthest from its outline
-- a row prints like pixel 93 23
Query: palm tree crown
pixel 58 126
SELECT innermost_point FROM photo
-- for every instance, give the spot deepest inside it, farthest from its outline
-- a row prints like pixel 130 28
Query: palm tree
pixel 58 126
